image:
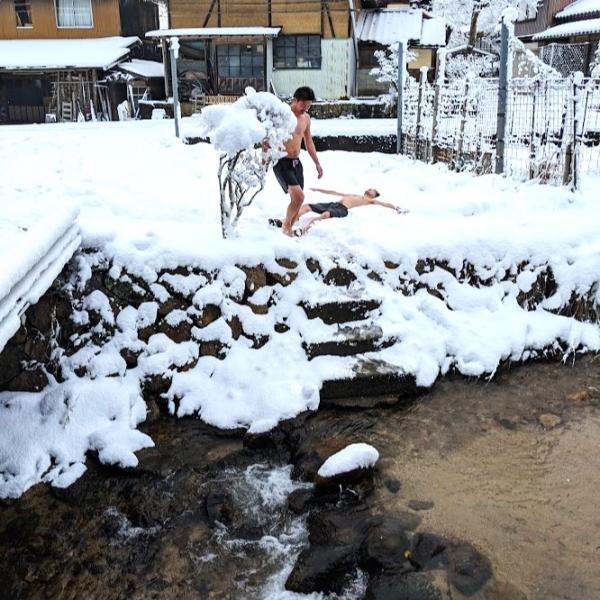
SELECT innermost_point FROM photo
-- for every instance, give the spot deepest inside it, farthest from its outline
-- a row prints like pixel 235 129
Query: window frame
pixel 282 43
pixel 257 71
pixel 58 26
pixel 30 13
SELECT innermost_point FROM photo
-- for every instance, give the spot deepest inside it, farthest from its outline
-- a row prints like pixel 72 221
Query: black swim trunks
pixel 335 209
pixel 289 171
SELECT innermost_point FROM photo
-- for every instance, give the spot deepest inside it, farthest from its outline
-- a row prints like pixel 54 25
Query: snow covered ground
pixel 150 202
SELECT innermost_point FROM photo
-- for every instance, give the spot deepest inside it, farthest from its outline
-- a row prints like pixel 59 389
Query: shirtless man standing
pixel 339 209
pixel 288 170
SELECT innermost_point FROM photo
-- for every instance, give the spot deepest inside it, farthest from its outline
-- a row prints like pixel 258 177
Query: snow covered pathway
pixel 149 204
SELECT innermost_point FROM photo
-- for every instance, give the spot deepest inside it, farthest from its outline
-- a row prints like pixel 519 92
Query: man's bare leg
pixel 296 201
pixel 325 215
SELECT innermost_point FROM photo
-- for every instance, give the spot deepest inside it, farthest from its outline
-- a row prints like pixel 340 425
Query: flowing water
pixel 258 568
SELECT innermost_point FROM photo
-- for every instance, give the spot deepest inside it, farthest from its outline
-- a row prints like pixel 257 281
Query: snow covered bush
pixel 250 135
pixel 472 20
pixel 387 71
pixel 461 65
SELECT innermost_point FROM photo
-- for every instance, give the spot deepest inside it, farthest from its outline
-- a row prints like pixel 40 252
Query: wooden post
pixel 400 84
pixel 174 51
pixel 502 101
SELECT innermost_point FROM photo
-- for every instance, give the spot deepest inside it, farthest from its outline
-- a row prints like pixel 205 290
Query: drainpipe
pixel 355 44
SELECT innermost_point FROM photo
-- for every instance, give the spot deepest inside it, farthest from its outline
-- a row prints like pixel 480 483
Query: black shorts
pixel 289 171
pixel 335 209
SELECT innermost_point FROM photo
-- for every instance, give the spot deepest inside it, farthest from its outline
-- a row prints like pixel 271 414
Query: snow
pixel 35 244
pixel 95 53
pixel 170 218
pixel 45 436
pixel 352 457
pixel 565 30
pixel 203 32
pixel 143 68
pixel 389 26
pixel 580 7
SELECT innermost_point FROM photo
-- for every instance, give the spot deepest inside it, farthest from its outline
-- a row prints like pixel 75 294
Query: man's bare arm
pixel 312 151
pixel 328 192
pixel 388 205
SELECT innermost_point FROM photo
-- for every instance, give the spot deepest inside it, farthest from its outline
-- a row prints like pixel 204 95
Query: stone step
pixel 371 378
pixel 342 311
pixel 349 341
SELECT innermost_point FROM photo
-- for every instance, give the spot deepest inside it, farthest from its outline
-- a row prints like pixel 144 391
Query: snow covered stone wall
pixel 243 346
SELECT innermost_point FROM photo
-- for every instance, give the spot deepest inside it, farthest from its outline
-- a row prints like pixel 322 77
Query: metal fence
pixel 552 126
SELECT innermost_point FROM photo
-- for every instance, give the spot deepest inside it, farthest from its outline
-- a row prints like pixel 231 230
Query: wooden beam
pixel 218 13
pixel 329 17
pixel 270 13
pixel 209 13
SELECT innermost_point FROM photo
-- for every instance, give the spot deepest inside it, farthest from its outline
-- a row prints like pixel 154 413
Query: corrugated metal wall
pixel 329 82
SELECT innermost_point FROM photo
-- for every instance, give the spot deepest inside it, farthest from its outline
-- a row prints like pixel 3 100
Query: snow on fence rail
pixel 552 133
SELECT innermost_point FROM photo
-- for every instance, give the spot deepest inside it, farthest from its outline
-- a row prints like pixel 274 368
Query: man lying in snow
pixel 339 209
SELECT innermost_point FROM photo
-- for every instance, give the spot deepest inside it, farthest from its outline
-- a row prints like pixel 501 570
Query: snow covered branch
pixel 250 135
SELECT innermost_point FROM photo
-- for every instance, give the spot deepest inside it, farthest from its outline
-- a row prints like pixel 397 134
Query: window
pixel 23 13
pixel 74 13
pixel 239 60
pixel 297 52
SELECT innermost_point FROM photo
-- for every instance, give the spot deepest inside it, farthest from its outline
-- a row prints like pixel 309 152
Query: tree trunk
pixel 473 29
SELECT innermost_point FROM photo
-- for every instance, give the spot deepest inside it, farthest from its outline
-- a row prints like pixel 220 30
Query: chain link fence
pixel 552 126
pixel 568 58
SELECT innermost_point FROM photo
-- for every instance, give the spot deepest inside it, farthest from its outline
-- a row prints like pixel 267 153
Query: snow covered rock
pixel 353 464
pixel 351 458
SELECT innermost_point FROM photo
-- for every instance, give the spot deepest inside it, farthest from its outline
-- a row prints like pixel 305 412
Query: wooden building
pixel 564 33
pixel 55 56
pixel 320 43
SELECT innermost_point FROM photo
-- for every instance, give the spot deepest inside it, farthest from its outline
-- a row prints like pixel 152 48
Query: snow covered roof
pixel 565 30
pixel 143 68
pixel 388 26
pixel 97 53
pixel 206 32
pixel 579 8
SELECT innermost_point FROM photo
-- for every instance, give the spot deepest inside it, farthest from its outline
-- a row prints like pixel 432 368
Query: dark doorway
pixel 21 99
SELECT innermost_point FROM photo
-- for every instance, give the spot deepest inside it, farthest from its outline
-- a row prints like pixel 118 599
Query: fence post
pixel 502 100
pixel 400 105
pixel 174 52
pixel 463 123
pixel 439 82
pixel 577 83
pixel 532 153
pixel 418 130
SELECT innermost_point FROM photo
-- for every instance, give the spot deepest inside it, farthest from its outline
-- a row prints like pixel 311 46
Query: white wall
pixel 330 82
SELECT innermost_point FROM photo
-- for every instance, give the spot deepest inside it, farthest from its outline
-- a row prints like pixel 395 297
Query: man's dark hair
pixel 304 93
